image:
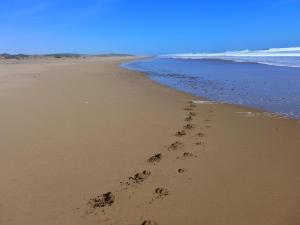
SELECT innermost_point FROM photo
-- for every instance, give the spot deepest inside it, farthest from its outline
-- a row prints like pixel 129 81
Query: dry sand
pixel 72 130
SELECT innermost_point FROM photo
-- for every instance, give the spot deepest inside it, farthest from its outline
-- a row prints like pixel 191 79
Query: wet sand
pixel 84 141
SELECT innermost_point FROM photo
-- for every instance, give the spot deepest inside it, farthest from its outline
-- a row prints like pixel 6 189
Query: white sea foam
pixel 289 57
pixel 205 102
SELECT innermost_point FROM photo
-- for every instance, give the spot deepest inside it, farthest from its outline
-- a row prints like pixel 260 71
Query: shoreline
pixel 256 111
pixel 90 128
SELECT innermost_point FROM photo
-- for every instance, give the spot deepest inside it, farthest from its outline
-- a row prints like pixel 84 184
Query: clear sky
pixel 147 26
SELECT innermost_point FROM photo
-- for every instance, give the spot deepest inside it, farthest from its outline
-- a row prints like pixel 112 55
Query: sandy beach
pixel 86 142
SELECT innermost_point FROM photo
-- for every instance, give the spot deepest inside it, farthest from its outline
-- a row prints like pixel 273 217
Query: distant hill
pixel 59 55
pixel 63 55
pixel 17 56
pixel 113 55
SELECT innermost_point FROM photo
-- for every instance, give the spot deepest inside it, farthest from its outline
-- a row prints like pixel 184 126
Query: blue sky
pixel 147 27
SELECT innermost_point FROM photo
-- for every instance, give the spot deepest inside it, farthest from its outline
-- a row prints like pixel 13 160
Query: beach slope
pixel 84 141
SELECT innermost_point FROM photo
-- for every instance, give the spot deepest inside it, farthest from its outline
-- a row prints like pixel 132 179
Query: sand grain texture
pixel 76 129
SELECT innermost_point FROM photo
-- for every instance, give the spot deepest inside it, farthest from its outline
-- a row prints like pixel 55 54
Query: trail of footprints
pixel 108 199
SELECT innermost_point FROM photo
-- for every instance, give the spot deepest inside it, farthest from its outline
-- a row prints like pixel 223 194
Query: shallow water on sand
pixel 270 88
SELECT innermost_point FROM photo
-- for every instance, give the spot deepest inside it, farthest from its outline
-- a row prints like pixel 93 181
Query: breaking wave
pixel 289 57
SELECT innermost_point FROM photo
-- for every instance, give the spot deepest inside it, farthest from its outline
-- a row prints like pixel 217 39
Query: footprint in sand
pixel 188 155
pixel 101 201
pixel 200 143
pixel 188 119
pixel 192 114
pixel 140 177
pixel 182 170
pixel 211 115
pixel 155 158
pixel 189 126
pixel 191 104
pixel 200 134
pixel 174 146
pixel 149 222
pixel 161 192
pixel 188 109
pixel 180 133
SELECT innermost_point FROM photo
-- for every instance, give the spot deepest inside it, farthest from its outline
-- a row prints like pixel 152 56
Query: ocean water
pixel 289 57
pixel 271 88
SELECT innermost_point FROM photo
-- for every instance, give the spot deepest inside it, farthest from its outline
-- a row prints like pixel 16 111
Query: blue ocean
pixel 268 79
